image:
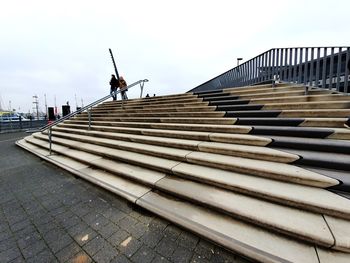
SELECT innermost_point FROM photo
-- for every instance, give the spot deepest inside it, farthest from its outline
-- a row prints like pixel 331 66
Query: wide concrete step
pixel 163 97
pixel 305 98
pixel 192 120
pixel 299 196
pixel 182 97
pixel 207 114
pixel 312 113
pixel 306 132
pixel 270 89
pixel 341 104
pixel 259 245
pixel 293 222
pixel 236 100
pixel 224 127
pixel 311 144
pixel 296 92
pixel 246 151
pixel 153 157
pixel 197 102
pixel 301 122
pixel 228 106
pixel 165 109
pixel 335 161
pixel 244 139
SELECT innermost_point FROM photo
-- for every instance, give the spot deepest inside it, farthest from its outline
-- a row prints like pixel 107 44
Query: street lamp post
pixel 239 59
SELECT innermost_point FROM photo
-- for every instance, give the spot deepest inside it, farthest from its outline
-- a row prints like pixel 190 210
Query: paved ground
pixel 48 215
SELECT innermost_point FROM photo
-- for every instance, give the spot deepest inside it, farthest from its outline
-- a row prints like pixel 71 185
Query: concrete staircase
pixel 260 170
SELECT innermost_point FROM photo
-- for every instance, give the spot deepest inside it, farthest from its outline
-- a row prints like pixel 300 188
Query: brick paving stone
pixel 7 244
pixel 129 246
pixel 9 255
pixel 172 232
pixel 60 243
pixel 120 259
pixel 160 259
pixel 151 238
pixel 205 249
pixel 108 230
pixel 158 224
pixel 20 259
pixel 28 240
pixel 20 225
pixel 80 257
pixel 95 245
pixel 43 256
pixel 143 255
pixel 68 252
pixel 198 258
pixel 138 230
pixel 166 247
pixel 127 222
pixel 5 235
pixel 181 255
pixel 118 237
pixel 187 240
pixel 34 249
pixel 85 236
pixel 106 254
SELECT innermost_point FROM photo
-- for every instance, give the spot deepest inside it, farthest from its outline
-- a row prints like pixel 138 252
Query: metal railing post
pixel 50 140
pixel 89 115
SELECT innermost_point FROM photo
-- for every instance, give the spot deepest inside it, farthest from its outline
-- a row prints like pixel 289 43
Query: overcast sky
pixel 60 48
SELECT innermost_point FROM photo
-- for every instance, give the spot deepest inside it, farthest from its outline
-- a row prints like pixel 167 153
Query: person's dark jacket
pixel 114 83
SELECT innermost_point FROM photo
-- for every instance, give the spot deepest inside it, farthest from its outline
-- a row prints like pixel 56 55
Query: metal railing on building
pixel 324 67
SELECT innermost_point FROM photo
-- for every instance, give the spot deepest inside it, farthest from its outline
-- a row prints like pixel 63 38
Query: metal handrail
pixel 324 67
pixel 48 126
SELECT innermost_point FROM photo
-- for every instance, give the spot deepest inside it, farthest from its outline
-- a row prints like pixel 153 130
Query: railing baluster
pixel 295 68
pixel 331 73
pixel 346 74
pixel 318 67
pixel 338 68
pixel 306 66
pixel 312 67
pixel 324 66
pixel 300 66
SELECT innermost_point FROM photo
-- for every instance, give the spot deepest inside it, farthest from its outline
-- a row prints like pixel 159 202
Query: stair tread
pixel 226 128
pixel 341 231
pixel 247 151
pixel 300 224
pixel 191 135
pixel 312 198
pixel 295 195
pixel 279 171
pixel 245 239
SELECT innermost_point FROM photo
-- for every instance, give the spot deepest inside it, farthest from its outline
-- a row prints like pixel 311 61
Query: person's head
pixel 121 78
pixel 113 76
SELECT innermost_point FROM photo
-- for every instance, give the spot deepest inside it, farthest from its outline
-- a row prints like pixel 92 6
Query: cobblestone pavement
pixel 48 215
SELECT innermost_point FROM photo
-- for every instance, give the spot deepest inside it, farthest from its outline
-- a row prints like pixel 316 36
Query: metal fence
pixel 12 126
pixel 324 67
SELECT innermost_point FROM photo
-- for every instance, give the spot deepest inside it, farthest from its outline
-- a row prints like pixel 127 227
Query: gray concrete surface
pixel 48 215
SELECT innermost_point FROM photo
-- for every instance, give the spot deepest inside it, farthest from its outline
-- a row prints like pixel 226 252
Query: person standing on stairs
pixel 122 86
pixel 114 86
